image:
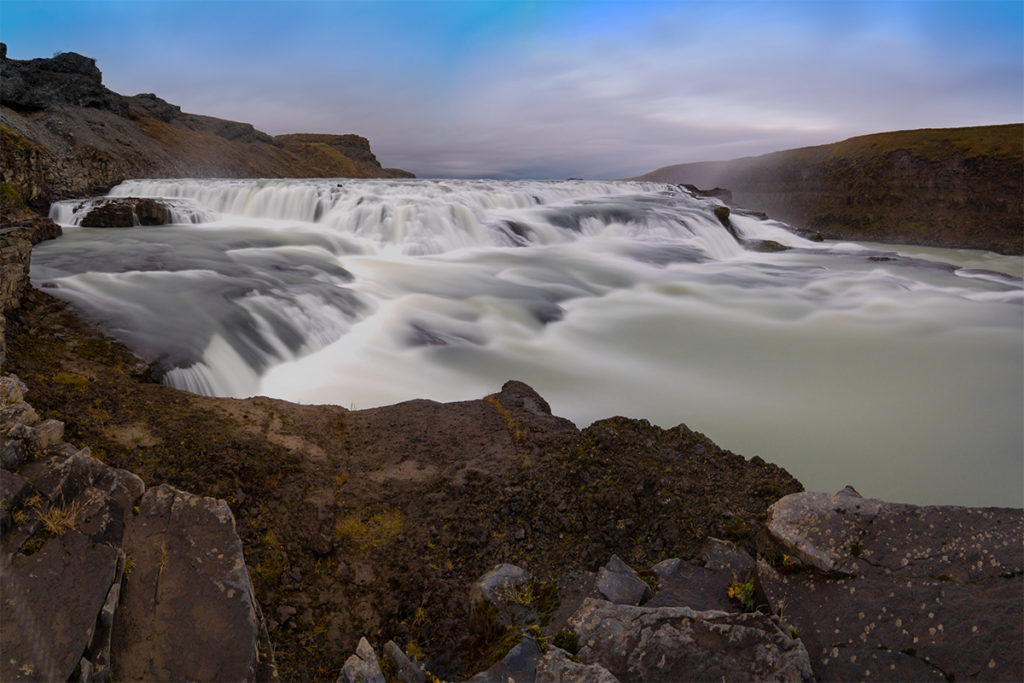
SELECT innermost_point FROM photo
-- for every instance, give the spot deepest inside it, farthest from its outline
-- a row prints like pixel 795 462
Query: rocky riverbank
pixel 64 135
pixel 952 187
pixel 485 538
pixel 626 551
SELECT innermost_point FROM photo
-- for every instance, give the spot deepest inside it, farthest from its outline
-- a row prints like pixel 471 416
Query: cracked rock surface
pixel 913 592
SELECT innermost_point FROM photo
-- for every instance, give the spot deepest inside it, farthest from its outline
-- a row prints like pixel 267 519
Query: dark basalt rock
pixel 520 664
pixel 148 104
pixel 127 213
pixel 717 192
pixel 189 578
pixel 363 666
pixel 620 584
pixel 67 78
pixel 682 644
pixel 69 579
pixel 766 246
pixel 910 592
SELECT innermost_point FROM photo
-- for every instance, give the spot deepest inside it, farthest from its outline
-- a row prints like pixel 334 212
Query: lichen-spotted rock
pixel 914 593
pixel 682 644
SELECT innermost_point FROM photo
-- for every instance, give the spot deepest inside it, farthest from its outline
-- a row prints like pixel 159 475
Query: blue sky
pixel 552 89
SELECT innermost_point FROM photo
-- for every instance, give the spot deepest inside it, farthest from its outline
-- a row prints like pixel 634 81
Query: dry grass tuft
pixel 60 519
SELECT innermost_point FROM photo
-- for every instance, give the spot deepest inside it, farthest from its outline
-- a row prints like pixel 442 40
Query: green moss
pixel 389 667
pixel 11 197
pixel 547 601
pixel 538 637
pixel 650 578
pixel 94 349
pixel 70 378
pixel 743 593
pixel 566 640
pixel 501 647
pixel 376 532
pixel 35 543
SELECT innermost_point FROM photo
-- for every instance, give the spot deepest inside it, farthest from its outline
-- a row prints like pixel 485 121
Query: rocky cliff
pixel 952 187
pixel 63 134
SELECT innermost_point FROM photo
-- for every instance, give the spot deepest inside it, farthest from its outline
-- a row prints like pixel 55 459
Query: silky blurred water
pixel 900 372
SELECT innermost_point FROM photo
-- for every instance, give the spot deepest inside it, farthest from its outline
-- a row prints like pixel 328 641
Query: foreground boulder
pixel 189 578
pixel 901 591
pixel 98 578
pixel 682 644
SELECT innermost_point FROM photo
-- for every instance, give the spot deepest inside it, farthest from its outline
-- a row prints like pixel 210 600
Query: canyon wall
pixel 63 134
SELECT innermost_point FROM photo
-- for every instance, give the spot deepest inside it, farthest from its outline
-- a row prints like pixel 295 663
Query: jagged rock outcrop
pixel 671 637
pixel 621 585
pixel 63 134
pixel 16 240
pixel 99 578
pixel 951 187
pixel 363 666
pixel 66 78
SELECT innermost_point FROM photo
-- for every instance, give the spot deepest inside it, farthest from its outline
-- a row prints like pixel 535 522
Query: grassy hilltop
pixel 949 187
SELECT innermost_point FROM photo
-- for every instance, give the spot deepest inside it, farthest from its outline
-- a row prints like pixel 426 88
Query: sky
pixel 552 89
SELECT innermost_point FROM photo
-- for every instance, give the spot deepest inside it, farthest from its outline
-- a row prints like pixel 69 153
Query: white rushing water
pixel 900 372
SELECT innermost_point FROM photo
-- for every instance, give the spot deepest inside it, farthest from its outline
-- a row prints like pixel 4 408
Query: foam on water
pixel 896 370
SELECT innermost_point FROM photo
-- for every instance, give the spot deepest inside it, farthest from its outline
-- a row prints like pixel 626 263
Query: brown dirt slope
pixel 949 187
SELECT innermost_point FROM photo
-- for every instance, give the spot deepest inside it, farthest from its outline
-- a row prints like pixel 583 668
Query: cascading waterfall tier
pixel 838 361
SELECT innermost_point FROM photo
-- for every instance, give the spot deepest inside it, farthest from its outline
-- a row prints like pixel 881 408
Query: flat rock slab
pixel 687 585
pixel 682 644
pixel 50 603
pixel 520 664
pixel 557 666
pixel 619 583
pixel 187 610
pixel 940 590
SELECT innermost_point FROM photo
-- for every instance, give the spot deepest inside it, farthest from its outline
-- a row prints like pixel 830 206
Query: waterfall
pixel 832 359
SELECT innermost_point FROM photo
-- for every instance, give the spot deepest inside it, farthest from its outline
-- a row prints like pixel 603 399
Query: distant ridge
pixel 63 134
pixel 949 187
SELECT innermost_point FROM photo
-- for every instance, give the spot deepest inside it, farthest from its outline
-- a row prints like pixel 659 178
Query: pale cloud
pixel 711 81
